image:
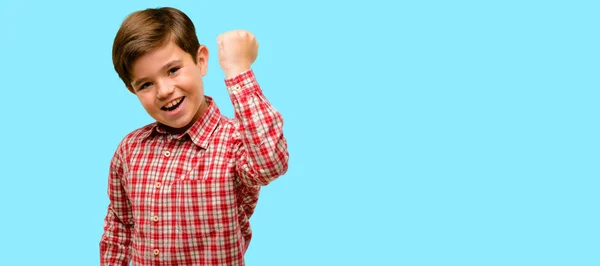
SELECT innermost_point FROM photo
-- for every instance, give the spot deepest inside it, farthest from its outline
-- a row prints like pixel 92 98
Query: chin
pixel 180 123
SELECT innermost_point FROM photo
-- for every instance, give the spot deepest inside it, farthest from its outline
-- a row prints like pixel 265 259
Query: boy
pixel 182 189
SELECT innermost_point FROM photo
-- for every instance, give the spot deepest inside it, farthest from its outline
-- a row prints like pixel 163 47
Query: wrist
pixel 234 71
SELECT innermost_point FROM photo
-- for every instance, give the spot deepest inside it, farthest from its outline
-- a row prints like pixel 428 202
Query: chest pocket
pixel 210 164
pixel 206 197
pixel 207 209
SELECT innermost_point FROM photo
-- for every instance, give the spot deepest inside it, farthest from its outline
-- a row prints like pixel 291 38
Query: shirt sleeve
pixel 118 225
pixel 260 146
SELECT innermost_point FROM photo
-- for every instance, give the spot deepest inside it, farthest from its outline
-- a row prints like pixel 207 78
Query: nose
pixel 164 90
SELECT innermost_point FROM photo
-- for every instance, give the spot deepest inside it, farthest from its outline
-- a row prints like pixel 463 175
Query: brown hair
pixel 145 30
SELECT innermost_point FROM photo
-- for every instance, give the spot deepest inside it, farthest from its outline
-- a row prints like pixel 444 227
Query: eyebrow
pixel 137 82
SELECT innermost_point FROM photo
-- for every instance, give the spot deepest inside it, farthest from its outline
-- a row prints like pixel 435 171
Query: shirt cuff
pixel 242 84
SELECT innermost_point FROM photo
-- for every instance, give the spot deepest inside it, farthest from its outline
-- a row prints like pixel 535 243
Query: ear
pixel 130 89
pixel 202 59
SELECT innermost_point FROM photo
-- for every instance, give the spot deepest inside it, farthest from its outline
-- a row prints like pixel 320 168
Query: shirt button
pixel 157 185
pixel 156 252
pixel 155 218
pixel 167 153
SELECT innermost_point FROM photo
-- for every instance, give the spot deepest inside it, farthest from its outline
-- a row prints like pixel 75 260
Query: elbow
pixel 280 157
pixel 282 167
pixel 280 164
pixel 277 167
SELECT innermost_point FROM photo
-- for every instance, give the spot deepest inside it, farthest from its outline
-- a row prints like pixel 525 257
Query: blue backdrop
pixel 420 132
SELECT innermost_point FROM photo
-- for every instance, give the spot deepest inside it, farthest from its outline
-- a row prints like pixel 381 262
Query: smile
pixel 172 105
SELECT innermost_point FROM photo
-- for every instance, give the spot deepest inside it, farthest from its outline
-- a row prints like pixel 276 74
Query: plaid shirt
pixel 186 200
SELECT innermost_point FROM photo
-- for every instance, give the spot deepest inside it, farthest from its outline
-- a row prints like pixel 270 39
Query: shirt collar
pixel 201 131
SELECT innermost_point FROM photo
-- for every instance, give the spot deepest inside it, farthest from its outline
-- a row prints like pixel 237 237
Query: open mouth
pixel 172 105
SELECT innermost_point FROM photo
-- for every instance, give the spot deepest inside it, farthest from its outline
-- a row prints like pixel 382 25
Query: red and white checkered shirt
pixel 186 200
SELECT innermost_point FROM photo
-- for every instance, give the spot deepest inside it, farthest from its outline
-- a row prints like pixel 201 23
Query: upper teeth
pixel 173 102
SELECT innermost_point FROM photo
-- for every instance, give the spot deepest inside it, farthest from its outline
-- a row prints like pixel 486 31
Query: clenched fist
pixel 237 51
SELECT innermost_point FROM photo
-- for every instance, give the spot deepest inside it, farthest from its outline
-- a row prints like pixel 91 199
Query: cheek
pixel 147 101
pixel 185 79
pixel 192 77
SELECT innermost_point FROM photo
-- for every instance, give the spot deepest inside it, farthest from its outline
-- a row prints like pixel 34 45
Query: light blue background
pixel 420 132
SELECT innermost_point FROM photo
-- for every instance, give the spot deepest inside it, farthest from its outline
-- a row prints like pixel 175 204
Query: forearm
pixel 260 130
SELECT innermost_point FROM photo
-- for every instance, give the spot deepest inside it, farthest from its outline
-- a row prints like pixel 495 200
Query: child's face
pixel 169 85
